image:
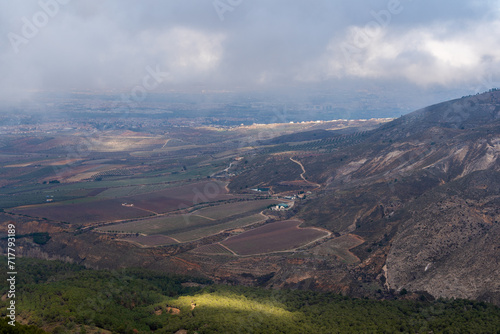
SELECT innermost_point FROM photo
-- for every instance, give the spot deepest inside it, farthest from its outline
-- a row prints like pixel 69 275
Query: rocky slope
pixel 422 193
pixel 429 183
pixel 450 244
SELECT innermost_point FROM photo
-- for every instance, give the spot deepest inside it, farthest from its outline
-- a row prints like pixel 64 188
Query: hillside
pixel 449 245
pixel 409 206
pixel 381 188
pixel 65 298
pixel 425 194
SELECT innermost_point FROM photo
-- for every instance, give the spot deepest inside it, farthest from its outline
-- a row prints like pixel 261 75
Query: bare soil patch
pixel 274 237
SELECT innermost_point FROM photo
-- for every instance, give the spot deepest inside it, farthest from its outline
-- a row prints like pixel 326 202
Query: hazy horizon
pixel 408 53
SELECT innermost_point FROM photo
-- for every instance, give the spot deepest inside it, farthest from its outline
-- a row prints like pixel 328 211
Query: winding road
pixel 303 172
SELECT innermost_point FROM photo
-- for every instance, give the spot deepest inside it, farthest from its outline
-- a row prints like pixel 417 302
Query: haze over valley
pixel 249 167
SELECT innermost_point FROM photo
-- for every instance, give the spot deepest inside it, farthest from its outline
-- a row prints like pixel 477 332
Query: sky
pixel 439 48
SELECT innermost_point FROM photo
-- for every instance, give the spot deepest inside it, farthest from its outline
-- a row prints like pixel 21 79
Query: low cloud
pixel 438 54
pixel 106 45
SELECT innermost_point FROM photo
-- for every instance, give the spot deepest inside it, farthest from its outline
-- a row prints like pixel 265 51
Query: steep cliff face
pixel 450 246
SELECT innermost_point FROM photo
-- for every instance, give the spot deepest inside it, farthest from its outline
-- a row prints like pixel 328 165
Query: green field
pixel 198 224
pixel 181 227
pixel 134 190
pixel 37 194
pixel 195 172
pixel 232 209
pixel 214 229
pixel 159 225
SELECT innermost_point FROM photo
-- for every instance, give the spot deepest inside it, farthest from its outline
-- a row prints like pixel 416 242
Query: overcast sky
pixel 113 45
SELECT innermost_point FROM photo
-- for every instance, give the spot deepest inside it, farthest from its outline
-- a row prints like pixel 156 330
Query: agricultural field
pixel 213 249
pixel 165 225
pixel 339 247
pixel 134 190
pixel 184 228
pixel 273 237
pixel 197 224
pixel 33 178
pixel 150 240
pixel 232 209
pixel 202 232
pixel 181 197
pixel 93 210
pixel 38 196
pixel 82 172
pixel 82 212
pixel 143 179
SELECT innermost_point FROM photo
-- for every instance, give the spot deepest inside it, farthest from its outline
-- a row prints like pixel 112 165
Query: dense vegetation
pixel 66 298
pixel 5 328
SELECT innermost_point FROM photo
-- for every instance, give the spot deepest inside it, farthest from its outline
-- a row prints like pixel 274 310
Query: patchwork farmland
pixel 95 210
pixel 237 208
pixel 217 228
pixel 273 237
pixel 158 225
pixel 81 212
pixel 198 224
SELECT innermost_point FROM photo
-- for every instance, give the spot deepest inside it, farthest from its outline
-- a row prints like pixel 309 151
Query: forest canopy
pixel 67 298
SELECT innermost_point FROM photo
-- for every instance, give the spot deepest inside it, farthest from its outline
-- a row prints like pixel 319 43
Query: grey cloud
pixel 106 45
